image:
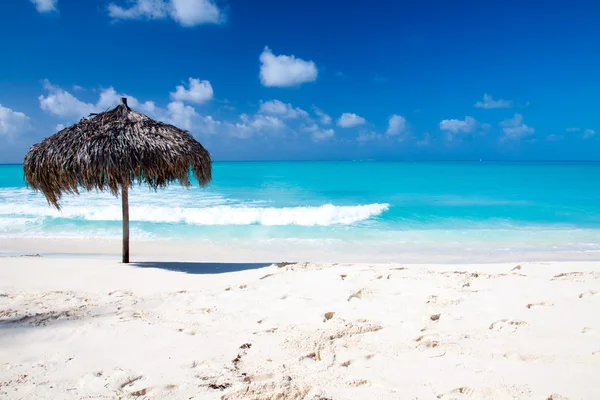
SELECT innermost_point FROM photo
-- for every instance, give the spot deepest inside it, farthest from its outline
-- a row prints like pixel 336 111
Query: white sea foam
pixel 324 215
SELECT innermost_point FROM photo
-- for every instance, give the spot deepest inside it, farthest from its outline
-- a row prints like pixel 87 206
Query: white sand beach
pixel 93 328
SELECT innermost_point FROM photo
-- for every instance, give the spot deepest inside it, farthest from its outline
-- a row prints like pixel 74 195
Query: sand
pixel 92 328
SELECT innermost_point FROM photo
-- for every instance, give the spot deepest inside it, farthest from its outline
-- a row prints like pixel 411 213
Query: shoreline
pixel 237 251
pixel 92 327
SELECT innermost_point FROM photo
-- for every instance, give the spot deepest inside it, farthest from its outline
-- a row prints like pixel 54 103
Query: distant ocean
pixel 457 208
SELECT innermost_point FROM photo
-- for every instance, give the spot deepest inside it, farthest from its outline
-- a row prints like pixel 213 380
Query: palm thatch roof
pixel 112 150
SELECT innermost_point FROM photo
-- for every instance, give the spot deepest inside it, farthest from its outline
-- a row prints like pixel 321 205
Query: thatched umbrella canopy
pixel 111 151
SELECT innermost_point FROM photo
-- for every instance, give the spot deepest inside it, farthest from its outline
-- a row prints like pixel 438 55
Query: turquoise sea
pixel 437 208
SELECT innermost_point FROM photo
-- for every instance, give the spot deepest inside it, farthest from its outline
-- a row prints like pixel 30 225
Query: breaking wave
pixel 324 215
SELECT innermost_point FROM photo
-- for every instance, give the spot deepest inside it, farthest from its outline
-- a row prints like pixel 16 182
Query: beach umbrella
pixel 112 151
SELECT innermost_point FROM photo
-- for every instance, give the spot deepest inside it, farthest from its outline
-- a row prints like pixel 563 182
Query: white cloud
pixel 323 134
pixel 109 98
pixel 196 12
pixel 514 128
pixel 318 134
pixel 425 141
pixel 254 126
pixel 488 102
pixel 63 104
pixel 396 125
pixel 368 136
pixel 59 127
pixel 324 118
pixel 588 133
pixel 573 129
pixel 185 12
pixel 12 122
pixel 198 92
pixel 457 126
pixel 267 121
pixel 140 9
pixel 180 115
pixel 208 125
pixel 554 138
pixel 281 109
pixel 285 71
pixel 350 120
pixel 45 6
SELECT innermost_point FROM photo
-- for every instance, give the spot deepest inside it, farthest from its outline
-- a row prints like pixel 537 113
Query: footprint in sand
pixel 555 396
pixel 358 294
pixel 587 294
pixel 284 389
pixel 190 332
pixel 431 344
pixel 358 382
pixel 505 324
pixel 141 392
pixel 576 276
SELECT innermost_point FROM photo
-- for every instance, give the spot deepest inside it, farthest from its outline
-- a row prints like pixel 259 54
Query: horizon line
pixel 396 161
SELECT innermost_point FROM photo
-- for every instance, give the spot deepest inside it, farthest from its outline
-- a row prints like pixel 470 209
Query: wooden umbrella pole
pixel 125 199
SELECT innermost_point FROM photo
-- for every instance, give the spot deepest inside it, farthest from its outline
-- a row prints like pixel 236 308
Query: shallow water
pixel 385 208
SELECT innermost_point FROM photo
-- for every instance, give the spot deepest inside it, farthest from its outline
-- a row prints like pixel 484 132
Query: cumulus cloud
pixel 573 129
pixel 468 125
pixel 396 125
pixel 263 122
pixel 324 118
pixel 256 125
pixel 12 122
pixel 368 136
pixel 322 134
pixel 281 109
pixel 489 102
pixel 110 98
pixel 317 133
pixel 514 128
pixel 63 104
pixel 180 115
pixel 198 92
pixel 186 13
pixel 285 71
pixel 350 120
pixel 45 6
pixel 271 119
pixel 588 133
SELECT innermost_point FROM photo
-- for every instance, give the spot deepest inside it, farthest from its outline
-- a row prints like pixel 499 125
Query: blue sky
pixel 313 79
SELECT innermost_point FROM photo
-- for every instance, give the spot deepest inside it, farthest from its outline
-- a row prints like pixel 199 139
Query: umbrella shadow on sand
pixel 201 267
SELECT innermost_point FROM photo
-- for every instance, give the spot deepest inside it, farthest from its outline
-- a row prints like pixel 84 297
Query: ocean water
pixel 453 209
